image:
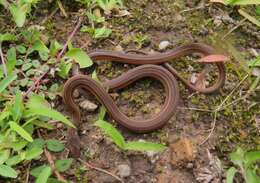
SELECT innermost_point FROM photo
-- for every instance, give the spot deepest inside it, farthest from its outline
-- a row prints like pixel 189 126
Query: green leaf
pixel 19 14
pixel 5 82
pixel 95 77
pixel 17 109
pixel 21 49
pixel 36 63
pixel 7 37
pixel 144 146
pixel 18 145
pixel 37 106
pixel 37 170
pixel 255 62
pixel 63 165
pixel 4 155
pixel 55 145
pixel 40 47
pixel 36 100
pixel 238 157
pixel 102 113
pixel 33 153
pixel 251 157
pixel 37 143
pixel 26 66
pixel 64 69
pixel 89 30
pixel 14 160
pixel 7 171
pixel 44 175
pixel 112 132
pixel 230 174
pixel 54 48
pixel 251 176
pixel 80 57
pixel 11 60
pixel 102 33
pixel 19 130
pixel 43 124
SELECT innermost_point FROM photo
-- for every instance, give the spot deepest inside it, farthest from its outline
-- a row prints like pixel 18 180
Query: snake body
pixel 151 66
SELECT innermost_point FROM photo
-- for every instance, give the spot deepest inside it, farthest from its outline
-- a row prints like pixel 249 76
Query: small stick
pixel 58 59
pixel 28 173
pixel 69 39
pixel 62 8
pixel 219 109
pixel 3 60
pixel 35 84
pixel 51 163
pixel 234 28
pixel 50 16
pixel 100 170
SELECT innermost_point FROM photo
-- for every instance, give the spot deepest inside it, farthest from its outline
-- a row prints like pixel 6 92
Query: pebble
pixel 124 170
pixel 256 72
pixel 88 106
pixel 163 45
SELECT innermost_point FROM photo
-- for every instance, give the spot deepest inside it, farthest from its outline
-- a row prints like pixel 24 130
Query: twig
pixel 58 59
pixel 234 28
pixel 28 173
pixel 100 170
pixel 211 130
pixel 62 8
pixel 51 163
pixel 34 84
pixel 3 60
pixel 195 109
pixel 50 16
pixel 69 39
pixel 219 108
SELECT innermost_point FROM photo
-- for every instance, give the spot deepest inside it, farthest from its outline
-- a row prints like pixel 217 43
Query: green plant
pixel 140 40
pixel 19 9
pixel 97 33
pixel 241 11
pixel 241 2
pixel 18 121
pixel 246 165
pixel 20 118
pixel 119 140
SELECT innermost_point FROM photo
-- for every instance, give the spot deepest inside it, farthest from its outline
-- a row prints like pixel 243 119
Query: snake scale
pixel 155 66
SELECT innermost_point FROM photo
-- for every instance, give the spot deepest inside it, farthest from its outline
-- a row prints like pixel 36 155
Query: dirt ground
pixel 186 160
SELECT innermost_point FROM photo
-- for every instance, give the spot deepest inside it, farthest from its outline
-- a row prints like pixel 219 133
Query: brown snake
pixel 150 67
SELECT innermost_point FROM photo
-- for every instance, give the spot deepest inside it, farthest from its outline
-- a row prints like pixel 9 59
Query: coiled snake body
pixel 154 66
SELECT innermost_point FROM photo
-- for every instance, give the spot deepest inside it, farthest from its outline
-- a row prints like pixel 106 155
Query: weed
pixel 246 166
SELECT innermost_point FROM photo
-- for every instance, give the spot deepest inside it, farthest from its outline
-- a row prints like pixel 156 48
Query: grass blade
pixel 5 82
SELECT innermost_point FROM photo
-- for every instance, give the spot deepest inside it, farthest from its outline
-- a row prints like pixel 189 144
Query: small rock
pixel 76 93
pixel 256 72
pixel 118 48
pixel 190 166
pixel 163 45
pixel 182 152
pixel 88 106
pixel 123 170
